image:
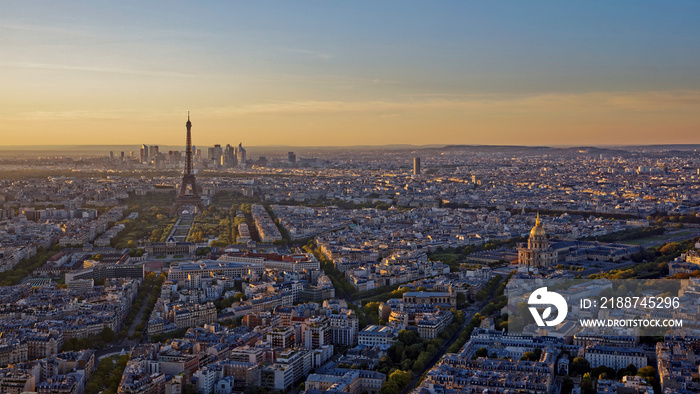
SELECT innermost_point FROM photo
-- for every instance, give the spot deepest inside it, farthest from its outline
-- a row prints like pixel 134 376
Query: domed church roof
pixel 538 229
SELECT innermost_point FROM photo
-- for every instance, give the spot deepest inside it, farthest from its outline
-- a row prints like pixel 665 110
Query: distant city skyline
pixel 348 74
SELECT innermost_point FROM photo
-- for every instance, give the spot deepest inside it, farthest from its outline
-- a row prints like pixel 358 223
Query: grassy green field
pixel 659 238
pixel 646 240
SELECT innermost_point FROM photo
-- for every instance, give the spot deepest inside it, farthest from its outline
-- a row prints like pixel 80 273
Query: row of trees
pixel 396 381
pixel 322 202
pixel 154 211
pixel 91 342
pixel 221 222
pixel 226 199
pixel 180 333
pixel 570 267
pixel 376 294
pixel 343 289
pixel 394 291
pixel 665 252
pixel 490 287
pixel 581 367
pixel 213 221
pixel 155 287
pixel 664 217
pixel 628 235
pixel 458 257
pixel 498 301
pixel 551 212
pixel 27 266
pixel 162 337
pixel 107 377
pixel 368 314
pixel 286 238
pixel 653 262
pixel 150 288
pixel 223 303
pixel 410 355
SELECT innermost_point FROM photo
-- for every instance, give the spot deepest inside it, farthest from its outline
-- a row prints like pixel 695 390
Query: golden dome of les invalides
pixel 538 229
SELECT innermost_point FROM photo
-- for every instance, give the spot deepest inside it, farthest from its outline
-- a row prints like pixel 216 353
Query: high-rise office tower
pixel 159 161
pixel 292 158
pixel 214 154
pixel 229 159
pixel 416 166
pixel 241 154
pixel 174 157
pixel 143 153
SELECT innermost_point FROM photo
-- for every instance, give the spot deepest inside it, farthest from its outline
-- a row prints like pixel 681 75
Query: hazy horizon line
pixel 439 145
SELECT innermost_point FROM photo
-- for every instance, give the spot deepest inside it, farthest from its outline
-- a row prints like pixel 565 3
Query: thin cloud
pixel 8 25
pixel 593 103
pixel 329 79
pixel 98 69
pixel 599 101
pixel 316 54
pixel 269 77
pixel 79 114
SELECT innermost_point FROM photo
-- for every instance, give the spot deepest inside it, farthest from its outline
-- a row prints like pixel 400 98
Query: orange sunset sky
pixel 350 73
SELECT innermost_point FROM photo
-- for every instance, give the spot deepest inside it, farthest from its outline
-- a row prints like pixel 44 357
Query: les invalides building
pixel 538 252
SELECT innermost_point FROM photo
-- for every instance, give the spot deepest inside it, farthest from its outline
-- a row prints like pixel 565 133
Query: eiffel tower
pixel 184 199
